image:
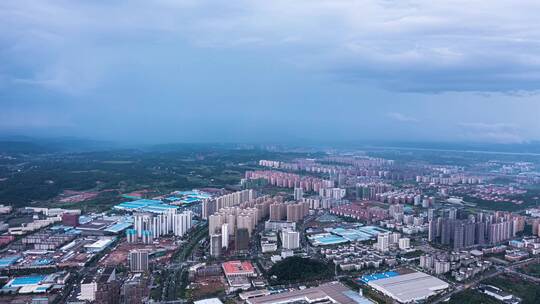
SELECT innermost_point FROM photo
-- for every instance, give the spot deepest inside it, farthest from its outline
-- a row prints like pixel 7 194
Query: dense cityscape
pixel 290 225
pixel 270 152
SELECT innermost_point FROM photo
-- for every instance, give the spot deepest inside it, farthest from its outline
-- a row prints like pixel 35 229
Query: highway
pixel 176 269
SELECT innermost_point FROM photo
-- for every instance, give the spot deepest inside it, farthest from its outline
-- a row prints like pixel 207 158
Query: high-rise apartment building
pixel 297 212
pixel 404 243
pixel 478 229
pixel 278 211
pixel 242 239
pixel 459 231
pixel 215 245
pixel 215 222
pixel 383 242
pixel 166 223
pixel 229 200
pixel 139 260
pixel 432 230
pixel 298 194
pixel 225 235
pixel 290 239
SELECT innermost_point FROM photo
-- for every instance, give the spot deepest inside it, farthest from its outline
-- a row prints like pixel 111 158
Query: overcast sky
pixel 335 70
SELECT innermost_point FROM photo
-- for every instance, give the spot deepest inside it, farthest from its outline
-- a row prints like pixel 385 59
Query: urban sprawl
pixel 333 228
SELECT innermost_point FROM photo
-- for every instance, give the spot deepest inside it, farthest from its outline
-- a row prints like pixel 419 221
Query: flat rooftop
pixel 24 281
pixel 95 225
pixel 327 239
pixel 9 260
pixel 209 301
pixel 116 228
pixel 334 291
pixel 378 276
pixel 237 267
pixel 104 242
pixel 409 287
pixel 148 205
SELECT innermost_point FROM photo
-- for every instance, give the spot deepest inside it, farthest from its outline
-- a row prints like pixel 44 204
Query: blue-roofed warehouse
pixel 146 205
pixel 377 276
pixel 119 227
pixel 9 260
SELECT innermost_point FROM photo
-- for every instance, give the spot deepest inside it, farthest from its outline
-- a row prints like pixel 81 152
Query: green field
pixel 40 179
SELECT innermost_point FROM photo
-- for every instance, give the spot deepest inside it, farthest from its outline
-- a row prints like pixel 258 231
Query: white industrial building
pixel 99 245
pixel 409 287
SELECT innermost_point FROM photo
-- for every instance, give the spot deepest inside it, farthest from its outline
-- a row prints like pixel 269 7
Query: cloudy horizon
pixel 221 71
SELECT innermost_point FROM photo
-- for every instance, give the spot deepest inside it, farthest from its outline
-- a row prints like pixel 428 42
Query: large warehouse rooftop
pixel 335 292
pixel 147 205
pixel 409 287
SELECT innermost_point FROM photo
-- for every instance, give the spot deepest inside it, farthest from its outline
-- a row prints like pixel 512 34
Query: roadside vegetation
pixel 472 296
pixel 529 292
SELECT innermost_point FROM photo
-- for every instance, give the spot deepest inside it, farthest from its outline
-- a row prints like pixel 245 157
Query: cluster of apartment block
pixel 290 211
pixel 212 206
pixel 149 226
pixel 391 240
pixel 462 265
pixel 237 221
pixel 357 256
pixel 290 180
pixel 478 229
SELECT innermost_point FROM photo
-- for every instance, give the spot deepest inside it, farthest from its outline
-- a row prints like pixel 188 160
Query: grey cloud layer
pixel 255 70
pixel 425 46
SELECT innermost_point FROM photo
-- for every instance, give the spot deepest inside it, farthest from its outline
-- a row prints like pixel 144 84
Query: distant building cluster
pixel 365 166
pixel 236 221
pixel 317 202
pixel 289 211
pixel 402 231
pixel 290 180
pixel 478 229
pixel 359 161
pixel 462 265
pixel 406 223
pixel 405 197
pixel 370 191
pixel 494 193
pixel 364 211
pixel 212 206
pixel 357 256
pixel 450 179
pixel 49 217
